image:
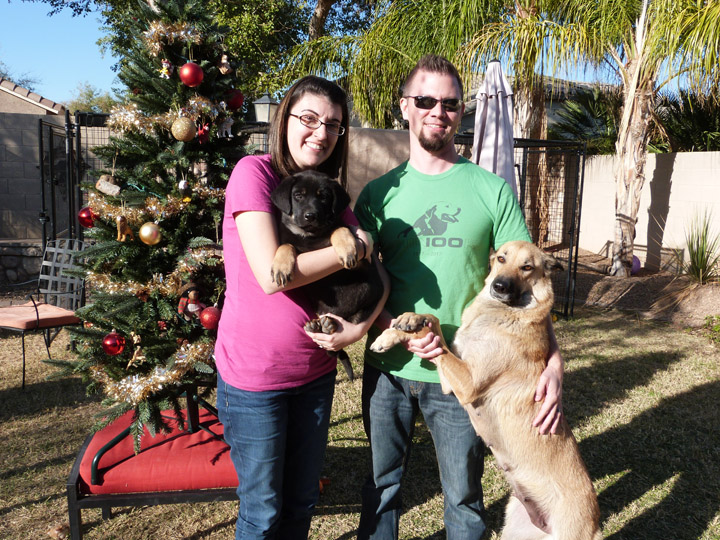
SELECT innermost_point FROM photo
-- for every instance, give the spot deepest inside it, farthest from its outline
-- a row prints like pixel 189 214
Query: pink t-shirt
pixel 261 344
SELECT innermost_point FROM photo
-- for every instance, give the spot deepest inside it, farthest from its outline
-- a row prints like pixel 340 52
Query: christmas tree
pixel 153 267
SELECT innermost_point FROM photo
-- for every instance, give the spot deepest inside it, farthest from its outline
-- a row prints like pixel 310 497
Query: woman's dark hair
pixel 283 163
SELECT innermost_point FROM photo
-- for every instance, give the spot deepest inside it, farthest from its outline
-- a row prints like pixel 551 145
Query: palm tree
pixel 688 124
pixel 647 44
pixel 373 64
pixel 590 116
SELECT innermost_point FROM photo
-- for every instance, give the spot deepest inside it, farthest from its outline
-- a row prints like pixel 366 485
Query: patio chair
pixel 52 306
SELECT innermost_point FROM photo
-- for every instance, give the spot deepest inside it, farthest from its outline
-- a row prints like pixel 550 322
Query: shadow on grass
pixel 38 397
pixel 668 454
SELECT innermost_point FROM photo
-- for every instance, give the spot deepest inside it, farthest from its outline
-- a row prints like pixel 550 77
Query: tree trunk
pixel 319 16
pixel 531 123
pixel 631 149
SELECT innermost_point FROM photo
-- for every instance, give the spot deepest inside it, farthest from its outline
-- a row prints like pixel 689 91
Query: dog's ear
pixel 340 198
pixel 281 195
pixel 551 263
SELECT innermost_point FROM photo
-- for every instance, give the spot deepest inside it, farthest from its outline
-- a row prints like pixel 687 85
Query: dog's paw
pixel 385 341
pixel 283 265
pixel 280 276
pixel 343 242
pixel 413 322
pixel 326 325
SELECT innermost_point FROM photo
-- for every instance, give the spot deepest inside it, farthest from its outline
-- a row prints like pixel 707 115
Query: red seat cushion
pixel 173 462
pixel 24 317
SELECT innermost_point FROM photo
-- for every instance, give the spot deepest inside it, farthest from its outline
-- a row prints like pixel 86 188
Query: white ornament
pixel 225 128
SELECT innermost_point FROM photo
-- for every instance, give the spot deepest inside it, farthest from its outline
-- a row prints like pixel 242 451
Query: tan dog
pixel 124 232
pixel 501 350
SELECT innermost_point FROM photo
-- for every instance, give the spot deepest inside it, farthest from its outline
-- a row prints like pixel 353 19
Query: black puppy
pixel 311 204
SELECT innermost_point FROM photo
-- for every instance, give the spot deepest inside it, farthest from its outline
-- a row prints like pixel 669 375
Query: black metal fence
pixel 66 159
pixel 550 178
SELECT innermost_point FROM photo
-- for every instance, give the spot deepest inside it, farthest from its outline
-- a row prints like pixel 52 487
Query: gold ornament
pixel 183 129
pixel 150 233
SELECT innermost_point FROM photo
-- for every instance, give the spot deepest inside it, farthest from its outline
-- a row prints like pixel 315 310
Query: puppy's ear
pixel 340 198
pixel 551 263
pixel 281 195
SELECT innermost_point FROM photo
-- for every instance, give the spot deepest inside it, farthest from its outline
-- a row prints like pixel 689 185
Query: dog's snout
pixel 310 216
pixel 502 286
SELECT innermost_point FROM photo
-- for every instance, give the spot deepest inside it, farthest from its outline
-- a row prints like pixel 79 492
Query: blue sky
pixel 59 51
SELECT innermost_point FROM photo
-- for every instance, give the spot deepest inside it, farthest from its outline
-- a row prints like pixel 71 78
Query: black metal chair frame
pixel 106 502
pixel 55 287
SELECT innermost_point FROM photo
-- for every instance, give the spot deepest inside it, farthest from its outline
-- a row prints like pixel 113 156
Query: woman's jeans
pixel 277 443
pixel 390 406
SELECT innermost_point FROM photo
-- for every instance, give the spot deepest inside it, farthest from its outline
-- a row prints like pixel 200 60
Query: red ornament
pixel 210 317
pixel 203 133
pixel 86 217
pixel 113 344
pixel 235 100
pixel 191 74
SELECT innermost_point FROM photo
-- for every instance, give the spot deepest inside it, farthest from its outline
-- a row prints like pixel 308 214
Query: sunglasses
pixel 427 103
pixel 313 122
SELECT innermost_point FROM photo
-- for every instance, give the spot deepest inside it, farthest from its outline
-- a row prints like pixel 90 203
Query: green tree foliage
pixel 259 35
pixel 589 116
pixel 87 98
pixel 171 181
pixel 688 122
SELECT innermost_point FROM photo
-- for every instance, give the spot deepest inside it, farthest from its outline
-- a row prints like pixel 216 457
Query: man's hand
pixel 549 390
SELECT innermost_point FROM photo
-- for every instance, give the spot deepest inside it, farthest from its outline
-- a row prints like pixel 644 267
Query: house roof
pixel 24 94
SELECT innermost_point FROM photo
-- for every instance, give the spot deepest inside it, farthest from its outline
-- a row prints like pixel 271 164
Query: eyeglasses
pixel 427 103
pixel 313 122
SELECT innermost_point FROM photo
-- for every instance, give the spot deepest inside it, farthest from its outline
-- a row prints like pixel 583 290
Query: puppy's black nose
pixel 503 286
pixel 310 216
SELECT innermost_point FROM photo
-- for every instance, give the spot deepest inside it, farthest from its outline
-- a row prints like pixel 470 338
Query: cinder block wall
pixel 20 188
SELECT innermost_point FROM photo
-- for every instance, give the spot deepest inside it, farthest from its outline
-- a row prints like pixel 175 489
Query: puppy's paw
pixel 326 325
pixel 280 276
pixel 283 265
pixel 413 322
pixel 343 242
pixel 386 341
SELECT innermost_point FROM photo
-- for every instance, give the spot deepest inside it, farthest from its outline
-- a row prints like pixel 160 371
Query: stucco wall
pixel 678 188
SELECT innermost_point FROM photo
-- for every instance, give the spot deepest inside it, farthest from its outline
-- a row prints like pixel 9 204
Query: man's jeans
pixel 277 444
pixel 390 406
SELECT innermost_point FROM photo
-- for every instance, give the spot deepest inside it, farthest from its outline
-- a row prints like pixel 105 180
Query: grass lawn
pixel 643 399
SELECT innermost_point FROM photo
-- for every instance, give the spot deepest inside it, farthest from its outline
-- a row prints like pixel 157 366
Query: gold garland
pixel 129 117
pixel 159 32
pixel 154 208
pixel 168 285
pixel 136 388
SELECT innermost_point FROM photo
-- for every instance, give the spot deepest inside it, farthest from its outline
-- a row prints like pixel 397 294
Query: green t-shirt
pixel 434 233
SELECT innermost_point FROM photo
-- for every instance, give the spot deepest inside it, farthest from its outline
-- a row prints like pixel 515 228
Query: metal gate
pixel 550 177
pixel 66 158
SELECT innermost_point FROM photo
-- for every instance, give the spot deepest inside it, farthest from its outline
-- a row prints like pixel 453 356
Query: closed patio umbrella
pixel 493 144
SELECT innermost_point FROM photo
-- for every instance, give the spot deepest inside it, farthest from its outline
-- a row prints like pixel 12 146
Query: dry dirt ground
pixel 652 295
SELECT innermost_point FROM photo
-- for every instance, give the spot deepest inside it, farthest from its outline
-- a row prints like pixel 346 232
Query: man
pixel 435 219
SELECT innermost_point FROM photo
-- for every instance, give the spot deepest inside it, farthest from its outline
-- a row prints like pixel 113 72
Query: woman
pixel 275 381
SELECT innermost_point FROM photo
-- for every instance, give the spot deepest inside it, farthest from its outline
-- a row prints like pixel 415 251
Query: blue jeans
pixel 277 443
pixel 390 406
